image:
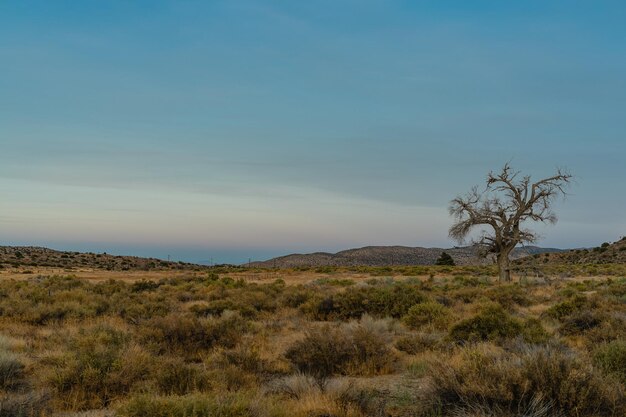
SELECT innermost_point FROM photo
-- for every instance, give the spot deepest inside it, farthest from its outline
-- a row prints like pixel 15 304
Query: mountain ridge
pixel 390 255
pixel 606 253
pixel 37 256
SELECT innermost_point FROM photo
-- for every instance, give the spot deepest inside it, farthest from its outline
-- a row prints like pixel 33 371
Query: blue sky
pixel 237 129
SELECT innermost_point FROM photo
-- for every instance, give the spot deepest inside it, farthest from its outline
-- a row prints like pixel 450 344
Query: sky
pixel 229 130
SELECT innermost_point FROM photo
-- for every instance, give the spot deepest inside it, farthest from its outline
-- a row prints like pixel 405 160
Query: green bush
pixel 385 301
pixel 491 323
pixel 611 358
pixel 508 296
pixel 444 259
pixel 428 313
pixel 294 297
pixel 566 308
pixel 533 332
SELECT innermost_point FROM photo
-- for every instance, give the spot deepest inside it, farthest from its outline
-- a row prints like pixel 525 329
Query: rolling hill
pixel 32 256
pixel 607 253
pixel 388 255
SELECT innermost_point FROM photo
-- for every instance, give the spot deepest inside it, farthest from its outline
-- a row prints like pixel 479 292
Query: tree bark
pixel 503 267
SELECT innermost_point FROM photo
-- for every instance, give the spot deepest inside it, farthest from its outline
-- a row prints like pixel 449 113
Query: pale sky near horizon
pixel 230 130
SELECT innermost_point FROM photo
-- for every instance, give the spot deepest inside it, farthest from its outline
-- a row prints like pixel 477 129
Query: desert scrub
pixel 611 358
pixel 24 404
pixel 392 300
pixel 427 314
pixel 17 397
pixel 217 307
pixel 99 365
pixel 521 382
pixel 508 296
pixel 296 296
pixel 356 348
pixel 189 336
pixel 491 323
pixel 370 344
pixel 246 357
pixel 612 327
pixel 249 300
pixel 174 376
pixel 11 370
pixel 419 342
pixel 568 307
pixel 579 322
pixel 243 404
pixel 42 302
pixel 533 332
pixel 301 396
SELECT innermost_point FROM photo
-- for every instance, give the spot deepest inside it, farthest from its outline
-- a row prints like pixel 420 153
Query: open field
pixel 401 341
pixel 524 271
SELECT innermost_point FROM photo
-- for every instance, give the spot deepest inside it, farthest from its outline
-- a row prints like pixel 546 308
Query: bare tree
pixel 500 210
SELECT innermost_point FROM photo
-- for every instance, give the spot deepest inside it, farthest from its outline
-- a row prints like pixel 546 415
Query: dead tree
pixel 500 210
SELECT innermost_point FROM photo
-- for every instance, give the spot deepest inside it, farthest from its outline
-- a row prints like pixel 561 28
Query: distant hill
pixel 31 256
pixel 389 255
pixel 603 254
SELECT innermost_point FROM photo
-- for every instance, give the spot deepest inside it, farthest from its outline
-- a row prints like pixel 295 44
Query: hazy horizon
pixel 252 129
pixel 208 256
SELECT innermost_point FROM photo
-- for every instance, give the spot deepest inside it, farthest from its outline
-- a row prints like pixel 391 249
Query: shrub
pixel 99 365
pixel 323 352
pixel 386 301
pixel 296 296
pixel 612 327
pixel 444 259
pixel 611 358
pixel 492 323
pixel 428 313
pixel 25 404
pixel 144 285
pixel 508 296
pixel 192 405
pixel 533 332
pixel 522 382
pixel 579 322
pixel 357 348
pixel 566 308
pixel 187 335
pixel 11 370
pixel 175 376
pixel 370 351
pixel 417 343
pixel 248 300
pixel 246 358
pixel 217 307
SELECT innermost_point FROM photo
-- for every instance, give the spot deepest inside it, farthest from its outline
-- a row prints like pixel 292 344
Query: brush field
pixel 325 342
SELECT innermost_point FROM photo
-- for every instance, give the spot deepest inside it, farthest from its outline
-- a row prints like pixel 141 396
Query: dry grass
pixel 398 342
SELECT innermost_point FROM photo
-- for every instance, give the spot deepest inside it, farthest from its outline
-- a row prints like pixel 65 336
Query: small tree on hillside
pixel 500 210
pixel 444 259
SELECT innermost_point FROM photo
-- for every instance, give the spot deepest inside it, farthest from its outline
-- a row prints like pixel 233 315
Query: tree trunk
pixel 503 267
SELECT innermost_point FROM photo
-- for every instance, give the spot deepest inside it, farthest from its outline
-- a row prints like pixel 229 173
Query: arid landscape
pixel 327 208
pixel 327 341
